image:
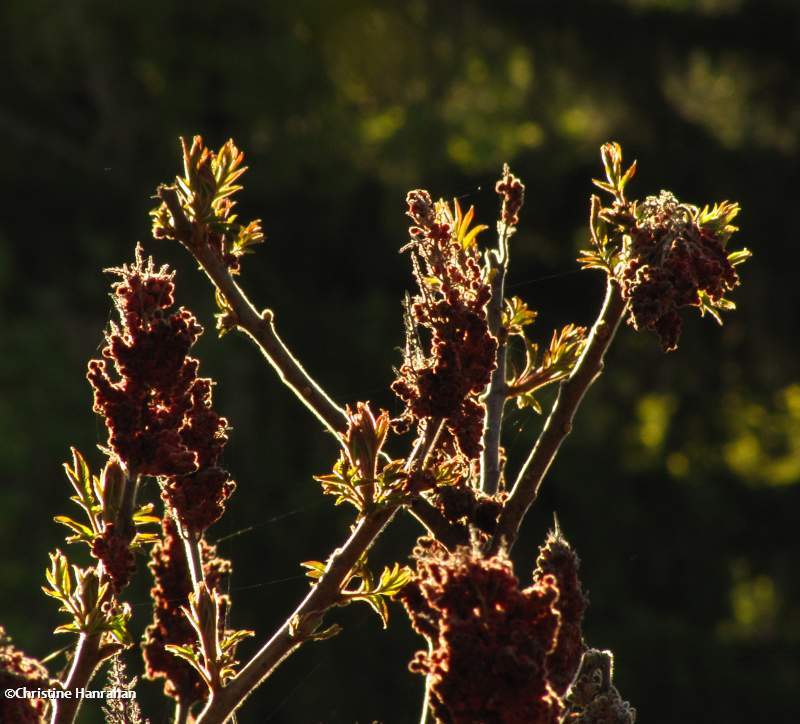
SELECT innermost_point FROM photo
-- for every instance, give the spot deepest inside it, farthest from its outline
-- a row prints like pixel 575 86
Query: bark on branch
pixel 260 327
pixel 559 423
pixel 496 394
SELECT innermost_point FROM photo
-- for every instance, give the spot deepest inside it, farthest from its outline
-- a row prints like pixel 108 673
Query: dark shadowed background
pixel 680 484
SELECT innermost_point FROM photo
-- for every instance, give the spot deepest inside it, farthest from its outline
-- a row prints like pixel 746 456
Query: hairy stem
pixel 437 525
pixel 207 640
pixel 128 505
pixel 426 715
pixel 495 397
pixel 260 327
pixel 181 715
pixel 434 522
pixel 87 657
pixel 559 423
pixel 194 558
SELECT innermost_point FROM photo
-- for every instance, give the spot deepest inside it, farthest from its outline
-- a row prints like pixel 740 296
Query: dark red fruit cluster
pixel 18 670
pixel 452 307
pixel 489 639
pixel 671 259
pixel 512 191
pixel 170 594
pixel 463 504
pixel 593 698
pixel 558 559
pixel 199 498
pixel 112 547
pixel 158 411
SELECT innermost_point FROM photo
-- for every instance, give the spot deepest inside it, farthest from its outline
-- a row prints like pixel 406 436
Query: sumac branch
pixel 497 649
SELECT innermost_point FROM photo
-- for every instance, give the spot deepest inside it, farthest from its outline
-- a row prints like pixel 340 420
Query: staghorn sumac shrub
pixel 496 650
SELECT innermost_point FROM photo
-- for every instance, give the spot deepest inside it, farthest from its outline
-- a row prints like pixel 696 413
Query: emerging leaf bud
pixel 112 483
pixel 88 588
pixel 364 438
pixel 611 153
pixel 205 610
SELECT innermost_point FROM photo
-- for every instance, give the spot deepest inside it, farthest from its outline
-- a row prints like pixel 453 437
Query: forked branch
pixel 559 423
pixel 260 327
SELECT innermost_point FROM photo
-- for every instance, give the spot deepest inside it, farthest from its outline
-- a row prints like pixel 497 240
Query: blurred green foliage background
pixel 679 486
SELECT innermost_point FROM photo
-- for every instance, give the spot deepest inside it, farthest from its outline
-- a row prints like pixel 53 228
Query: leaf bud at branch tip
pixel 113 481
